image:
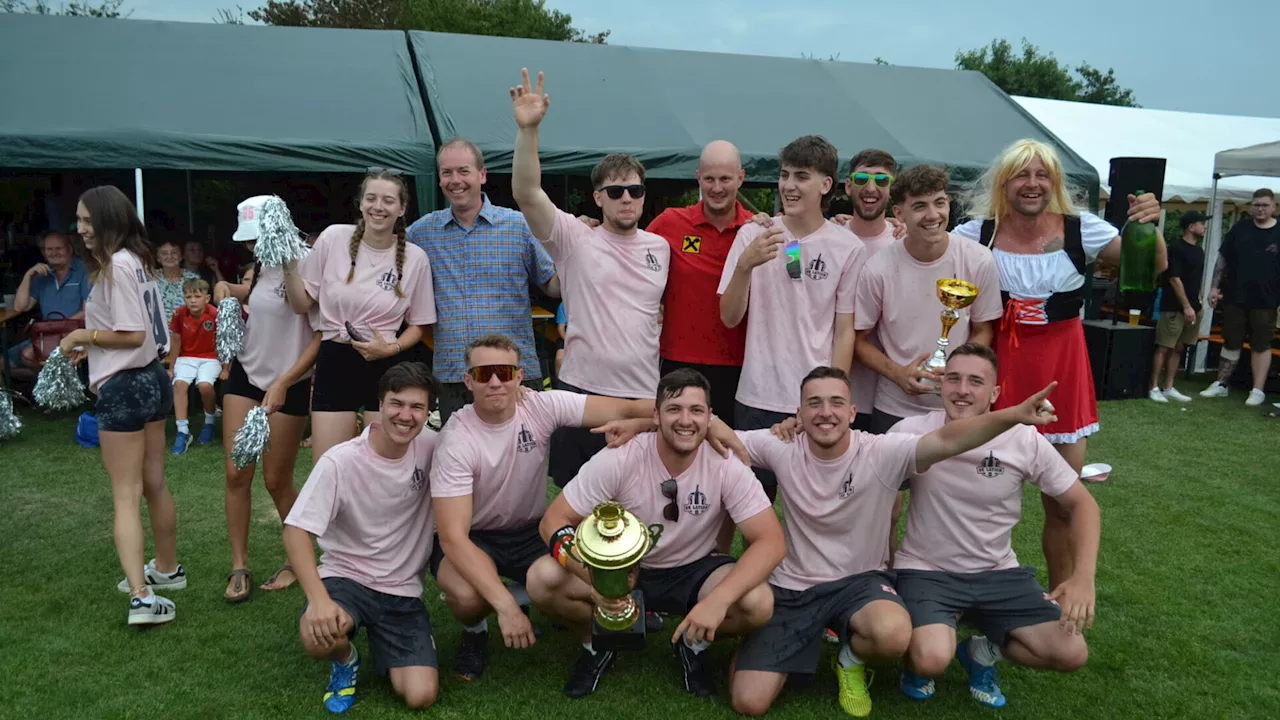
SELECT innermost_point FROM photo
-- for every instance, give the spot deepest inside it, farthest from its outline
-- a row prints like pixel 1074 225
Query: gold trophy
pixel 611 543
pixel 954 295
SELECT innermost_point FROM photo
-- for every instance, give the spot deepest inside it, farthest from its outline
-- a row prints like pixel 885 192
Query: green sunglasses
pixel 883 180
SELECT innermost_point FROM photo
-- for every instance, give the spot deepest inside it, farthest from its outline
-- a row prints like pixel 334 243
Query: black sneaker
pixel 586 674
pixel 469 662
pixel 652 622
pixel 697 679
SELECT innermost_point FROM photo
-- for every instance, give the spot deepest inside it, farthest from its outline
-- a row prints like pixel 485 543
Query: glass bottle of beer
pixel 1138 256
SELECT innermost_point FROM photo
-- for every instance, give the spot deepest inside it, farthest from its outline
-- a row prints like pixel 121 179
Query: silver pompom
pixel 229 339
pixel 10 425
pixel 251 439
pixel 279 240
pixel 58 387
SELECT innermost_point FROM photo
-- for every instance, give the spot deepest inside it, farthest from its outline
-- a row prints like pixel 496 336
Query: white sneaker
pixel 1216 389
pixel 1173 394
pixel 1156 395
pixel 175 580
pixel 151 610
pixel 1256 398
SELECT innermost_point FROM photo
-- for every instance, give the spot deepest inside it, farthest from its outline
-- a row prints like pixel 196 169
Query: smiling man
pixel 483 260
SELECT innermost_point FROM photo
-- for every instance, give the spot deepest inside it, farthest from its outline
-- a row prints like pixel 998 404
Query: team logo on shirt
pixel 524 440
pixel 990 466
pixel 692 244
pixel 846 488
pixel 207 325
pixel 696 503
pixel 280 291
pixel 651 261
pixel 655 534
pixel 388 279
pixel 141 276
pixel 418 480
pixel 816 269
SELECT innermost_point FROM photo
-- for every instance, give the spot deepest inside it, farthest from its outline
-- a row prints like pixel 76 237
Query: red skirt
pixel 1031 357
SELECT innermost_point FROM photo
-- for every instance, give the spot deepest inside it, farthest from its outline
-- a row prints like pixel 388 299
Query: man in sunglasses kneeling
pixel 678 486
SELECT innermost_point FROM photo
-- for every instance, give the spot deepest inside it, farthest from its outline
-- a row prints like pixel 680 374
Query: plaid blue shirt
pixel 481 280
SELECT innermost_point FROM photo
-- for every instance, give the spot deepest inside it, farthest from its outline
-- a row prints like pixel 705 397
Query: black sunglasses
pixel 671 512
pixel 384 171
pixel 482 373
pixel 615 191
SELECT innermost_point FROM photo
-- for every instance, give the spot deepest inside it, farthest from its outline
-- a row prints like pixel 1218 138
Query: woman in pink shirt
pixel 366 282
pixel 273 370
pixel 123 337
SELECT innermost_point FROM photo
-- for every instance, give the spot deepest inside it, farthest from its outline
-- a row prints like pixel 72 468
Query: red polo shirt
pixel 691 328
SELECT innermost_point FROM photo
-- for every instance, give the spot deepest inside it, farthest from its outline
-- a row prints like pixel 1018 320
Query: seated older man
pixel 59 286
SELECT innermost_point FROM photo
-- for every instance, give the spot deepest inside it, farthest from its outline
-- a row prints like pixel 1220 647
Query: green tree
pixel 78 8
pixel 1032 74
pixel 508 18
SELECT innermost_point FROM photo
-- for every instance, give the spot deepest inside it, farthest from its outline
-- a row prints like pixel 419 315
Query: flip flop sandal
pixel 243 588
pixel 276 576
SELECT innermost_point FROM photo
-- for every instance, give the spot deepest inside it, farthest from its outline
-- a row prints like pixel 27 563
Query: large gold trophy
pixel 611 542
pixel 955 295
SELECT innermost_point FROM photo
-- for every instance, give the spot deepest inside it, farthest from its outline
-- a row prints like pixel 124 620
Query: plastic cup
pixel 1134 317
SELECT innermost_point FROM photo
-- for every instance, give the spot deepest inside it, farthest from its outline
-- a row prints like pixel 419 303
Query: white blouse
pixel 1036 277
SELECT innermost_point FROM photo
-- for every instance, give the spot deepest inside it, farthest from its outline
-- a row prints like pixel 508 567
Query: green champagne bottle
pixel 1138 256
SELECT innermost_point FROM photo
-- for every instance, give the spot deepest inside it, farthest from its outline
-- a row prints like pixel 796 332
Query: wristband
pixel 93 339
pixel 561 544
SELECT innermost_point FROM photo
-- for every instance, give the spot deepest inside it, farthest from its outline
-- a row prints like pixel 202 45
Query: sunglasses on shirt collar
pixel 882 180
pixel 793 260
pixel 615 191
pixel 671 512
pixel 482 373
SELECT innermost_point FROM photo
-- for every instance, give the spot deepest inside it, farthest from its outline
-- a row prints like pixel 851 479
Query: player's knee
pixel 276 481
pixel 463 600
pixel 752 702
pixel 420 696
pixel 1070 655
pixel 891 634
pixel 181 385
pixel 205 388
pixel 757 605
pixel 544 580
pixel 931 659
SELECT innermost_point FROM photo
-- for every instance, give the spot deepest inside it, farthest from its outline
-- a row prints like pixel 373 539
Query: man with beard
pixel 612 277
pixel 956 558
pixel 473 233
pixel 684 492
pixel 1179 324
pixel 837 487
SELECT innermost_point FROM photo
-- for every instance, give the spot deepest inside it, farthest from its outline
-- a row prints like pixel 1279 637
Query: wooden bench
pixel 1216 339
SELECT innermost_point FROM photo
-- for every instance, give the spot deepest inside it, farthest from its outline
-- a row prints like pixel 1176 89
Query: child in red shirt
pixel 193 358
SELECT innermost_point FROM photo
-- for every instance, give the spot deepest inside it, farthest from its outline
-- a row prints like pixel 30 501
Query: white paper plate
pixel 1096 472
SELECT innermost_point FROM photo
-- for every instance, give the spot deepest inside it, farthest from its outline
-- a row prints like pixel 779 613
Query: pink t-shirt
pixel 612 288
pixel 124 299
pixel 710 489
pixel 963 510
pixel 370 298
pixel 371 515
pixel 275 336
pixel 863 379
pixel 501 466
pixel 791 323
pixel 835 513
pixel 898 297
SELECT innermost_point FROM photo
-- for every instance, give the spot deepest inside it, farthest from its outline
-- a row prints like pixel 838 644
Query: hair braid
pixel 401 242
pixel 257 270
pixel 355 248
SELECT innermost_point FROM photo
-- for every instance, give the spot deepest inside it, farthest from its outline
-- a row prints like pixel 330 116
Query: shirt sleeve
pixel 1095 235
pixel 744 237
pixel 422 297
pixel 452 466
pixel 128 310
pixel 742 493
pixel 538 262
pixel 597 481
pixel 317 504
pixel 1049 471
pixel 761 447
pixel 895 457
pixel 847 290
pixel 175 322
pixel 870 297
pixel 987 277
pixel 311 267
pixel 1175 268
pixel 561 408
pixel 970 229
pixel 566 235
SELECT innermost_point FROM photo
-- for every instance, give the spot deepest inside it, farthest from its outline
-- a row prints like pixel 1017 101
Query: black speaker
pixel 1120 356
pixel 1129 174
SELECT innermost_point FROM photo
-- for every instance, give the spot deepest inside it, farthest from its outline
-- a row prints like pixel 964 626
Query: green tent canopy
pixel 664 105
pixel 96 93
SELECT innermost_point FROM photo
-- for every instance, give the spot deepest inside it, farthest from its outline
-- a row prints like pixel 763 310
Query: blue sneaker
pixel 341 693
pixel 181 442
pixel 206 434
pixel 984 683
pixel 914 686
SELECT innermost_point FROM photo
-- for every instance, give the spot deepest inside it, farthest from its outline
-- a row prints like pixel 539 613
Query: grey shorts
pixel 998 601
pixel 132 399
pixel 674 591
pixel 399 627
pixel 1239 325
pixel 791 641
pixel 512 551
pixel 749 418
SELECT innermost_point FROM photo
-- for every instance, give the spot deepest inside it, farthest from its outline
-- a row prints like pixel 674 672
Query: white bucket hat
pixel 248 213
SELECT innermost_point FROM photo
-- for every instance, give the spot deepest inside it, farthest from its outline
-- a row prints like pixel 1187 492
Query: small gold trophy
pixel 954 295
pixel 611 543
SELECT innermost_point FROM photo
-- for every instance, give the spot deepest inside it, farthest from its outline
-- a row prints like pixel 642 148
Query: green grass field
pixel 1188 620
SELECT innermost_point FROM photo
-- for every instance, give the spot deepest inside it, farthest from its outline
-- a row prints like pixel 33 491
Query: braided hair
pixel 257 270
pixel 399 229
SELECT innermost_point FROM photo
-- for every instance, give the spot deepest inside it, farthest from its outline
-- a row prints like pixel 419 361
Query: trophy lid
pixel 611 538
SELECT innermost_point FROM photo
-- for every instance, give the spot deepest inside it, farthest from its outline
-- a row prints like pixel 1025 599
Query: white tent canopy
pixel 1261 159
pixel 1188 141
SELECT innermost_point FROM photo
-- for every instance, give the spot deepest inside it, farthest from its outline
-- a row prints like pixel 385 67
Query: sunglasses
pixel 671 512
pixel 482 373
pixel 615 191
pixel 383 171
pixel 860 179
pixel 793 260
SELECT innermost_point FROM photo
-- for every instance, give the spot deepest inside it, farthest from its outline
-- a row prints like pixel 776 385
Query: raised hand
pixel 762 249
pixel 529 104
pixel 1144 208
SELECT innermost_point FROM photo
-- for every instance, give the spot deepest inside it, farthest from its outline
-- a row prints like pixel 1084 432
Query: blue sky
pixel 1217 57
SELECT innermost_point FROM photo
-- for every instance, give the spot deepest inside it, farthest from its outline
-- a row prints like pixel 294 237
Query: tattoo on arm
pixel 1219 268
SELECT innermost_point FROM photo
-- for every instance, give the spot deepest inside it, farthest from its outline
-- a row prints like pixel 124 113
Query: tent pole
pixel 191 212
pixel 137 193
pixel 1212 243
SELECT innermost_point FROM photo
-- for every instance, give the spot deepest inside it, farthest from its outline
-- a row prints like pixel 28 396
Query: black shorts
pixel 399 628
pixel 345 381
pixel 791 641
pixel 749 418
pixel 571 447
pixel 454 396
pixel 297 399
pixel 132 399
pixel 512 551
pixel 674 591
pixel 724 385
pixel 1239 325
pixel 998 601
